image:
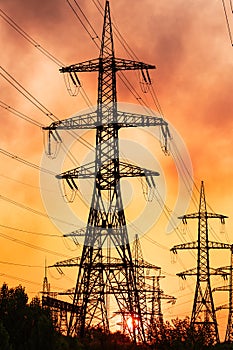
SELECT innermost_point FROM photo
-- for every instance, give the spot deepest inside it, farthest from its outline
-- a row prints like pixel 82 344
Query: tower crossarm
pixel 190 272
pixel 222 307
pixel 222 289
pixel 75 234
pixel 106 179
pixel 58 304
pixel 124 119
pixel 81 121
pixel 205 214
pixel 105 264
pixel 112 63
pixel 189 245
pixel 219 245
pixel 194 272
pixel 194 245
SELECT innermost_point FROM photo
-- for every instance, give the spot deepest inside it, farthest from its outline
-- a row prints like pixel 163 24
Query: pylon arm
pixel 58 304
pixel 222 307
pixel 222 289
pixel 128 120
pixel 123 64
pixel 130 170
pixel 205 214
pixel 82 121
pixel 194 245
pixel 229 268
pixel 105 178
pixel 190 245
pixel 113 263
pixel 75 234
pixel 111 63
pixel 170 298
pixel 83 172
pixel 124 119
pixel 86 66
pixel 193 272
pixel 217 245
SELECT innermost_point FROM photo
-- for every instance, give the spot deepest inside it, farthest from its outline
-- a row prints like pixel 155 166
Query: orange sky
pixel 189 44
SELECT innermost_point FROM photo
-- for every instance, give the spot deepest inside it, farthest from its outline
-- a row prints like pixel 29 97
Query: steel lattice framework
pixel 203 313
pixel 228 288
pixel 106 220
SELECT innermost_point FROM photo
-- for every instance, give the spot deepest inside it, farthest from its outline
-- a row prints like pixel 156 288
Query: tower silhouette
pixel 229 306
pixel 97 273
pixel 203 312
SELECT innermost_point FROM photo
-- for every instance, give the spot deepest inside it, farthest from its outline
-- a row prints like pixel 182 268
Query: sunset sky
pixel 189 44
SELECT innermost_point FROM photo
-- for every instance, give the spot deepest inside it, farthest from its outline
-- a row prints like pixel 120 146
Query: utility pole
pixel 106 218
pixel 229 306
pixel 203 313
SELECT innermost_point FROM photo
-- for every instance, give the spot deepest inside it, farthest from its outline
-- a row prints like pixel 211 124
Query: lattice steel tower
pixel 106 220
pixel 228 288
pixel 203 313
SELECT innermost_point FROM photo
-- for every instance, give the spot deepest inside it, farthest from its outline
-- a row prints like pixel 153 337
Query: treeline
pixel 27 326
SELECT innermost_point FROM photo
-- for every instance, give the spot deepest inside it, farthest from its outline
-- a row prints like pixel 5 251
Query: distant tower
pixel 46 285
pixel 203 313
pixel 156 296
pixel 106 220
pixel 229 306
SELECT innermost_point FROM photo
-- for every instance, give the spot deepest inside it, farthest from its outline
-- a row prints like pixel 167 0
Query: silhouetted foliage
pixel 23 326
pixel 27 326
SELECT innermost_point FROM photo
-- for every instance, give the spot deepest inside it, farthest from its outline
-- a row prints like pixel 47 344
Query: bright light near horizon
pixel 132 323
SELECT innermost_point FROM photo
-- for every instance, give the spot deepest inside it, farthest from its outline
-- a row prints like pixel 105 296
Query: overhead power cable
pixel 26 162
pixel 31 232
pixel 16 240
pixel 26 184
pixel 20 115
pixel 23 206
pixel 19 279
pixel 39 105
pixel 23 265
pixel 8 77
pixel 87 20
pixel 26 36
pixel 227 20
pixel 45 52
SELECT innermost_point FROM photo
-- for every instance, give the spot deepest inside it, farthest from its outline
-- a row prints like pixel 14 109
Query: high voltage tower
pixel 203 313
pixel 228 288
pixel 100 275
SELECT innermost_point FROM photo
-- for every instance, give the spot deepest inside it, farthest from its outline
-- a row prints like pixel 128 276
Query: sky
pixel 189 44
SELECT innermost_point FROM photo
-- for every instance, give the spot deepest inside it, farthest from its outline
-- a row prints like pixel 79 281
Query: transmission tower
pixel 203 313
pixel 229 306
pixel 46 285
pixel 106 220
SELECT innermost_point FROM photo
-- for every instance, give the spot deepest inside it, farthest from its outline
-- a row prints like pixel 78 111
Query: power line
pixel 31 232
pixel 22 265
pixel 19 279
pixel 19 114
pixel 26 36
pixel 23 206
pixel 32 246
pixel 8 77
pixel 26 162
pixel 227 20
pixel 26 184
pixel 87 20
pixel 45 52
